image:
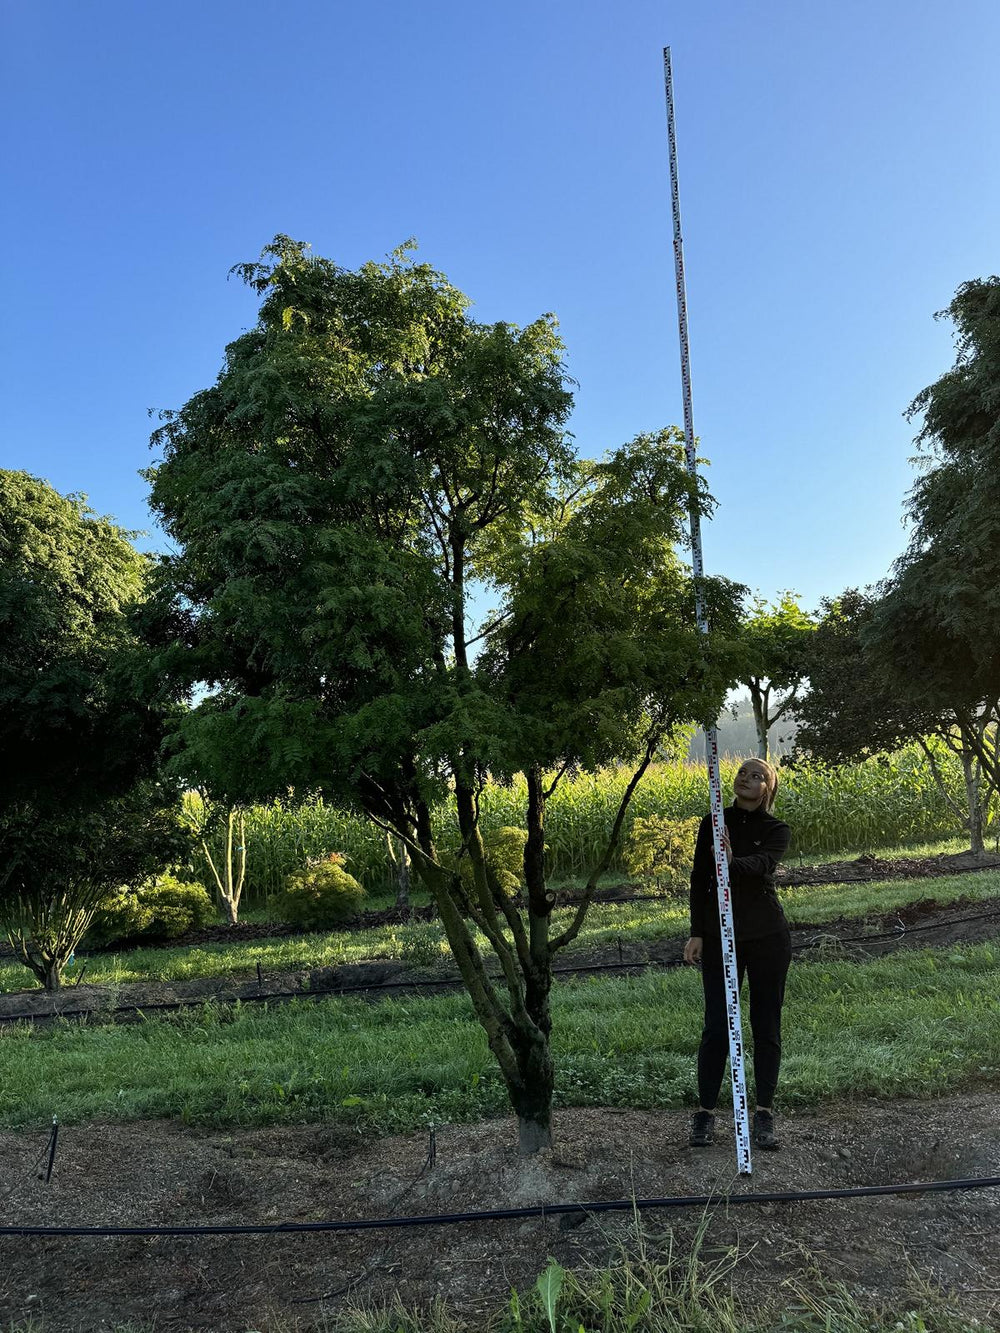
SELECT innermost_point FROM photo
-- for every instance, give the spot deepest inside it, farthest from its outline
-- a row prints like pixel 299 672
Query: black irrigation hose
pixel 507 1214
pixel 175 1006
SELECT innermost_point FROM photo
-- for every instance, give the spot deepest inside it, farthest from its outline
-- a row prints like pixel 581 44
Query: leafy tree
pixel 79 808
pixel 368 459
pixel 858 705
pixel 941 623
pixel 776 638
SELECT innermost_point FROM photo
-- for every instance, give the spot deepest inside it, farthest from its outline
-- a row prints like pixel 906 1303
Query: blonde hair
pixel 771 777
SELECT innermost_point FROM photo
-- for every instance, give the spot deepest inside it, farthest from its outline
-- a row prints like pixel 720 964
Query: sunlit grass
pixel 921 1023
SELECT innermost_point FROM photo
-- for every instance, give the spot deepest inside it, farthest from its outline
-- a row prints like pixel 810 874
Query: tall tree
pixel 776 639
pixel 941 622
pixel 368 460
pixel 80 809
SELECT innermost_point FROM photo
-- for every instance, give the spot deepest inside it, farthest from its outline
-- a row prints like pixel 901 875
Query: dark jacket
pixel 759 841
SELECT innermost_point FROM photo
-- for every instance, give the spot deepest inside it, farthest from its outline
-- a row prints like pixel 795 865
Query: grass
pixel 896 1026
pixel 950 846
pixel 424 942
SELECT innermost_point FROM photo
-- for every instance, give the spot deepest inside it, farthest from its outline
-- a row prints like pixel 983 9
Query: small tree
pixel 776 641
pixel 662 849
pixel 367 456
pixel 228 867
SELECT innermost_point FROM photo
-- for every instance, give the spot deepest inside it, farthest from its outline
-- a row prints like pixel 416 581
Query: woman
pixel 754 843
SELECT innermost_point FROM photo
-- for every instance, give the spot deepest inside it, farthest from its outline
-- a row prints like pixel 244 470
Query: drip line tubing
pixel 508 1214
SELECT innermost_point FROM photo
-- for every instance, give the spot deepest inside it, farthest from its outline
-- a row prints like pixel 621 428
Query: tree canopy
pixel 775 648
pixel 942 615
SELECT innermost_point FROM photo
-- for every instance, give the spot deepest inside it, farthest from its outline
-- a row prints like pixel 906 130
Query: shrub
pixel 662 850
pixel 320 895
pixel 164 909
pixel 504 849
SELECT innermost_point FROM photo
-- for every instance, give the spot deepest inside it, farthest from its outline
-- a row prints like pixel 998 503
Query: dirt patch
pixel 865 868
pixel 162 1173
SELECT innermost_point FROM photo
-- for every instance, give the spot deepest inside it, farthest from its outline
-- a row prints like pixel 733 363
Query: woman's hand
pixel 727 847
pixel 692 950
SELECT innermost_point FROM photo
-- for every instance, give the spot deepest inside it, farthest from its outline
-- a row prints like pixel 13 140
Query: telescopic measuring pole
pixel 736 1063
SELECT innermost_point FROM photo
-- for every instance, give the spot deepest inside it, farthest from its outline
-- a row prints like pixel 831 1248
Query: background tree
pixel 941 620
pixel 859 705
pixel 368 457
pixel 79 808
pixel 776 638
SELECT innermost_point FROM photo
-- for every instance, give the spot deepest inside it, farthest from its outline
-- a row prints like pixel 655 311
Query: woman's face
pixel 750 785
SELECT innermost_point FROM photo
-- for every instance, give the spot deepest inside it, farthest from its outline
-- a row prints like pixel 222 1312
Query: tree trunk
pixel 759 719
pixel 402 875
pixel 973 793
pixel 51 974
pixel 531 1097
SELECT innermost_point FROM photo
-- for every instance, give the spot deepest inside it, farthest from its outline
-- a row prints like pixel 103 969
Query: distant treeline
pixel 737 737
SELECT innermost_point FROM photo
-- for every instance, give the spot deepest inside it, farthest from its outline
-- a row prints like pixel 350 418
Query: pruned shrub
pixel 661 850
pixel 320 895
pixel 163 910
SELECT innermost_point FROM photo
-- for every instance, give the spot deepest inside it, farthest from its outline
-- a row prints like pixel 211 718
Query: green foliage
pixel 941 622
pixel 504 852
pixel 661 850
pixel 367 453
pixel 885 801
pixel 775 653
pixel 71 726
pixel 80 808
pixel 320 895
pixel 164 909
pixel 854 708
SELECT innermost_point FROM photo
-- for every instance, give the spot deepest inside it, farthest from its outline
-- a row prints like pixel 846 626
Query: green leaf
pixel 549 1286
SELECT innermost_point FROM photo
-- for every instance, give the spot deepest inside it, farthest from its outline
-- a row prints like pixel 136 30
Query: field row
pixel 882 802
pixel 424 944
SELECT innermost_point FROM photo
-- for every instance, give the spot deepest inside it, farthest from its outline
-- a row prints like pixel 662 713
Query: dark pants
pixel 765 963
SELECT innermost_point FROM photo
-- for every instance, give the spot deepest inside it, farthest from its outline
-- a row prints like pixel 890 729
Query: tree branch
pixel 571 932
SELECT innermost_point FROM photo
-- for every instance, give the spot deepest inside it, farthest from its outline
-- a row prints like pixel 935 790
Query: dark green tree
pixel 80 810
pixel 941 623
pixel 860 704
pixel 370 464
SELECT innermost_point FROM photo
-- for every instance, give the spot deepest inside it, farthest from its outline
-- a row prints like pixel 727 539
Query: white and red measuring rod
pixel 736 1060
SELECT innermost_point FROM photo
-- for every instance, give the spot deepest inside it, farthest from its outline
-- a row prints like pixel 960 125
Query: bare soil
pixel 884 1248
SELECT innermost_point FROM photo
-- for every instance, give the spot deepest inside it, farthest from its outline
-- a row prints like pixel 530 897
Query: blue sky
pixel 839 180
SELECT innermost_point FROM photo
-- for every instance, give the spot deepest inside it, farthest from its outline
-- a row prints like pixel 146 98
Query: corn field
pixel 883 802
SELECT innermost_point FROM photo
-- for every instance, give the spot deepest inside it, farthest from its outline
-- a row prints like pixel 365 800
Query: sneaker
pixel 763 1131
pixel 702 1129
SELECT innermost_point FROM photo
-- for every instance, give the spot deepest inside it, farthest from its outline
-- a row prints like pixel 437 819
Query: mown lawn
pixel 919 1023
